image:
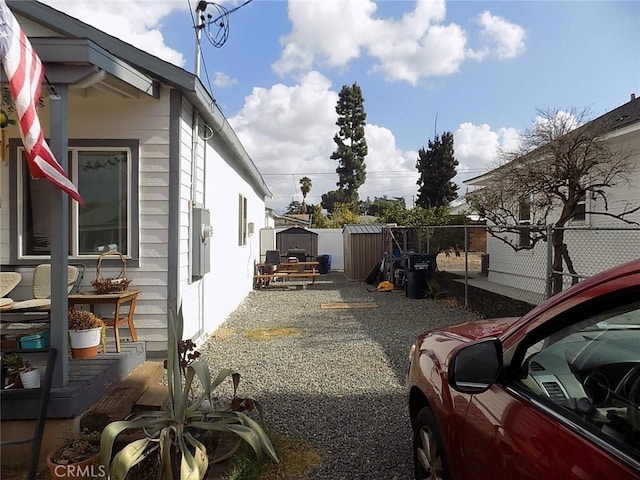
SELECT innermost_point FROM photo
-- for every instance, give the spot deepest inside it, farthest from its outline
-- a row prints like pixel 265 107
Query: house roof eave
pixel 131 60
pixel 624 119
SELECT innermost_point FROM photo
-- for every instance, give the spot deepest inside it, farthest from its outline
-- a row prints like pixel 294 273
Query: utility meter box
pixel 200 242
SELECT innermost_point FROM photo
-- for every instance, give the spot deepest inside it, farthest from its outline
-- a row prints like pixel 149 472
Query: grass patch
pixel 272 332
pixel 223 333
pixel 297 459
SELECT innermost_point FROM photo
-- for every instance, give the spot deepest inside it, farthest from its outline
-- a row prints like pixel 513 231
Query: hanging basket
pixel 111 285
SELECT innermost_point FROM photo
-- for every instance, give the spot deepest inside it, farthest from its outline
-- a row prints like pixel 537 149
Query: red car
pixel 552 395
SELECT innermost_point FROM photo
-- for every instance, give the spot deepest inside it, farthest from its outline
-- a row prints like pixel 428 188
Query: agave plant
pixel 175 432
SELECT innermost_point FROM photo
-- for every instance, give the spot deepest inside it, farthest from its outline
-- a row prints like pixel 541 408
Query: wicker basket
pixel 111 285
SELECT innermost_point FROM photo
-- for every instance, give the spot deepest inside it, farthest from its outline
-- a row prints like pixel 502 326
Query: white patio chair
pixel 8 281
pixel 42 286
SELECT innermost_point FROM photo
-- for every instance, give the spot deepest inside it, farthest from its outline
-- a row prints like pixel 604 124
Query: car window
pixel 590 372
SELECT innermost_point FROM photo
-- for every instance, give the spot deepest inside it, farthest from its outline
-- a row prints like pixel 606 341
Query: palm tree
pixel 305 188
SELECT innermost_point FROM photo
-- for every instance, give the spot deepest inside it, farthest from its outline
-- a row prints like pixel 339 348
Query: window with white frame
pixel 580 213
pixel 524 219
pixel 242 220
pixel 524 209
pixel 105 173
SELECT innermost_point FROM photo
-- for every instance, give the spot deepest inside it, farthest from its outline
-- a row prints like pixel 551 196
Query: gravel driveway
pixel 340 384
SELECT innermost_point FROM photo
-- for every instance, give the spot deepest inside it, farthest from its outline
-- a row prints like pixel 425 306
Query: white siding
pixel 211 183
pixel 103 116
pixel 591 251
pixel 216 186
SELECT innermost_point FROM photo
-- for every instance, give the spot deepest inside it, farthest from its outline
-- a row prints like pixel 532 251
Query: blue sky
pixel 482 69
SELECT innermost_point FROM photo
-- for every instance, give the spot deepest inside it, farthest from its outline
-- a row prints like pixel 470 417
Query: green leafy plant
pixel 177 433
pixel 16 363
pixel 12 364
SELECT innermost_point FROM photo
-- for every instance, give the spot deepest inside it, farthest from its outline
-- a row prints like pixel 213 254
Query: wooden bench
pixel 285 270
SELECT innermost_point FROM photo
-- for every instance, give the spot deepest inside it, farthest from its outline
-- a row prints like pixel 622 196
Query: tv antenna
pixel 215 26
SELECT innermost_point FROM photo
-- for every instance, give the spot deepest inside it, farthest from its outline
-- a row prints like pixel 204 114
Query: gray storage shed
pixel 363 249
pixel 296 238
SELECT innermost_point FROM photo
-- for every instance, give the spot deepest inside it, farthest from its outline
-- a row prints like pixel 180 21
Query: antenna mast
pixel 202 6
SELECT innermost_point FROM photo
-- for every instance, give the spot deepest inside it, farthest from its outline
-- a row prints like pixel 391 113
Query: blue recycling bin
pixel 324 262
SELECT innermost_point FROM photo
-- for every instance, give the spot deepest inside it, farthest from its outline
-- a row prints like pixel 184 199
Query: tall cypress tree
pixel 437 166
pixel 351 143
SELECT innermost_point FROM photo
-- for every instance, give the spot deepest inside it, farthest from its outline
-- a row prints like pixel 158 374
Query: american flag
pixel 25 73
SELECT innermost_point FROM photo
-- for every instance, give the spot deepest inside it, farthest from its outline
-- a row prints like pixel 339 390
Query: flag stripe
pixel 25 73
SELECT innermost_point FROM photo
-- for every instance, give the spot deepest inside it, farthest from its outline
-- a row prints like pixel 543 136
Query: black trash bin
pixel 418 270
pixel 324 262
pixel 416 284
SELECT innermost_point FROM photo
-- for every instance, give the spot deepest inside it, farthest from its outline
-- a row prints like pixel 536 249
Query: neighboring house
pixel 156 162
pixel 292 220
pixel 595 242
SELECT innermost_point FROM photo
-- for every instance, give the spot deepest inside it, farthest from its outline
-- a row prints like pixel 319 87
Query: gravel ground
pixel 340 384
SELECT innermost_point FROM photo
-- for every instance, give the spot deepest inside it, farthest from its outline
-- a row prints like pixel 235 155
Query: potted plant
pixel 177 436
pixel 87 331
pixel 20 372
pixel 78 457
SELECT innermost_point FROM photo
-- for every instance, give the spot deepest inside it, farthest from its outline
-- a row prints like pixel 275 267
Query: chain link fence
pixel 518 261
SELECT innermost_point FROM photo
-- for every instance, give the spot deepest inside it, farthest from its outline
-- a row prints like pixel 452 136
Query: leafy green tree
pixel 305 188
pixel 351 144
pixel 437 166
pixel 294 208
pixel 318 219
pixel 395 212
pixel 331 198
pixel 343 214
pixel 380 204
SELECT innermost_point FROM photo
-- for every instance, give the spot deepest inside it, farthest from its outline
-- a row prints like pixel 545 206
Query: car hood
pixel 472 331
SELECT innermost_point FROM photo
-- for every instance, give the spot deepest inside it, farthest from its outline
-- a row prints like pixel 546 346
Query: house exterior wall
pixel 105 116
pixel 209 182
pixel 596 244
pixel 217 187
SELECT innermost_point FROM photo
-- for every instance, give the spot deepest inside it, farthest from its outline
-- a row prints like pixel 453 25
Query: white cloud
pixel 223 80
pixel 390 171
pixel 506 40
pixel 288 132
pixel 137 23
pixel 418 45
pixel 477 148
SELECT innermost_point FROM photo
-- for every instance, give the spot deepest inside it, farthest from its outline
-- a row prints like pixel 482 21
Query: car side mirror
pixel 474 368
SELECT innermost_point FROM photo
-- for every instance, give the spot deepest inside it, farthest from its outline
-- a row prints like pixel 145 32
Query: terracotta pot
pixel 84 343
pixel 86 469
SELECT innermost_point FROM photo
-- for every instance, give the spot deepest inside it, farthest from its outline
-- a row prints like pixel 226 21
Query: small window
pixel 242 220
pixel 524 209
pixel 524 219
pixel 580 213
